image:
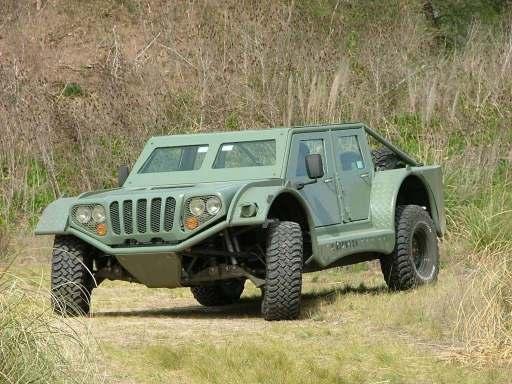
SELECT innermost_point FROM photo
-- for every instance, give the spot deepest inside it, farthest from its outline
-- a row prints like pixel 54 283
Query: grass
pixel 34 346
pixel 132 69
pixel 352 330
pixel 72 90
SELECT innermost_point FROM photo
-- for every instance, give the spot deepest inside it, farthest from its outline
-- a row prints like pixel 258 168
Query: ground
pixel 351 330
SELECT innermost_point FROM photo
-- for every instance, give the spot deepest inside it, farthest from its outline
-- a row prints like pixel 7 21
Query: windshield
pixel 171 159
pixel 210 157
pixel 246 154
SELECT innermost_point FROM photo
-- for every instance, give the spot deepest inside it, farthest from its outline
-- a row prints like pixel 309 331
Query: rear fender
pixel 385 189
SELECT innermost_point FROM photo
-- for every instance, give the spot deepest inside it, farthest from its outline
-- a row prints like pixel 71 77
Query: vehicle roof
pixel 250 134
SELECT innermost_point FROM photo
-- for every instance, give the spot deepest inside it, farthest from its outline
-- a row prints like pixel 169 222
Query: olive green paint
pixel 347 214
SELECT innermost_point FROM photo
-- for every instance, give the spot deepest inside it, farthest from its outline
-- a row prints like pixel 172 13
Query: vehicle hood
pixel 227 190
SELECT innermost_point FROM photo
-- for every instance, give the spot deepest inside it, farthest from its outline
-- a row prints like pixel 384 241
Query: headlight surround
pixel 213 205
pixel 98 214
pixel 197 206
pixel 83 214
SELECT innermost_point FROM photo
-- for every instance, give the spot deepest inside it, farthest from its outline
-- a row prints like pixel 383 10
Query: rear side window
pixel 349 153
pixel 171 159
pixel 246 154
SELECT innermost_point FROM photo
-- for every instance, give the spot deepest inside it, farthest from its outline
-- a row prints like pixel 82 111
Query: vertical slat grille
pixel 170 205
pixel 114 217
pixel 141 215
pixel 156 207
pixel 128 216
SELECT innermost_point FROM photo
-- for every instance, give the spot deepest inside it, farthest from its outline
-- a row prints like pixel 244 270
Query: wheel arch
pixel 415 189
pixel 289 205
pixel 402 187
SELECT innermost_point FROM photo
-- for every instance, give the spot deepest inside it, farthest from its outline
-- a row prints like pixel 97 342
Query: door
pixel 354 170
pixel 322 196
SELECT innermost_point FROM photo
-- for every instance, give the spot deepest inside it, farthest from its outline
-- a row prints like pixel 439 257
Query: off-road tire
pixel 282 290
pixel 384 159
pixel 415 259
pixel 221 293
pixel 71 278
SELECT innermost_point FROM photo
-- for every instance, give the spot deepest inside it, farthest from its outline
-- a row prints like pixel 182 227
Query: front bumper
pixel 138 249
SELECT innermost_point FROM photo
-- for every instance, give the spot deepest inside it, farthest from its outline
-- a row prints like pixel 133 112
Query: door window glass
pixel 308 147
pixel 348 153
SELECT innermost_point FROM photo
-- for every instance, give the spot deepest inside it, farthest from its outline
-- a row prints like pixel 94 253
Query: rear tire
pixel 415 259
pixel 71 279
pixel 282 291
pixel 223 292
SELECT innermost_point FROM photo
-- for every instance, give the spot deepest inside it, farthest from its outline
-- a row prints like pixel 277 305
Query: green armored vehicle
pixel 210 211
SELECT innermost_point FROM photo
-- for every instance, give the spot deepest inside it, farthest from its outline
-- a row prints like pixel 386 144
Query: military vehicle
pixel 209 211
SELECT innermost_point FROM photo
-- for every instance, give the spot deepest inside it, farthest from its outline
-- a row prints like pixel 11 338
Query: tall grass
pixel 35 347
pixel 145 70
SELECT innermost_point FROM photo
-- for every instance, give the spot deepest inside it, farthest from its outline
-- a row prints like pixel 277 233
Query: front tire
pixel 223 292
pixel 415 259
pixel 282 291
pixel 71 279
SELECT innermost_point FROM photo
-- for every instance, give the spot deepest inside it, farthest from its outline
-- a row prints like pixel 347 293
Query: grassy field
pixel 352 330
pixel 84 84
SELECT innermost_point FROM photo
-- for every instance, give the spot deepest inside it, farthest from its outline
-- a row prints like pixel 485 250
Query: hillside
pixel 85 83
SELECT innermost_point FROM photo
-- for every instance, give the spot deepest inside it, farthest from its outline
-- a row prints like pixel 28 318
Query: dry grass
pixel 352 330
pixel 85 83
pixel 35 347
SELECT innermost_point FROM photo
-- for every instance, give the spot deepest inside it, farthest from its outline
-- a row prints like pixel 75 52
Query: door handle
pixel 329 180
pixel 364 175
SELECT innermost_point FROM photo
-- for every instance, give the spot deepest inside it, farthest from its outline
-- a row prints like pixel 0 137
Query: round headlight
pixel 196 207
pixel 213 205
pixel 83 214
pixel 98 214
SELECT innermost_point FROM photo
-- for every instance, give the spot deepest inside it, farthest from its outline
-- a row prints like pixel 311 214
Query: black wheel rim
pixel 421 252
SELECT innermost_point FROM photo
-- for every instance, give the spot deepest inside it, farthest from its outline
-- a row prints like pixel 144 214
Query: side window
pixel 308 147
pixel 348 153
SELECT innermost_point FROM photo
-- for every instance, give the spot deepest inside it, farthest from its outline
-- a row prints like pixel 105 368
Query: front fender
pixel 54 220
pixel 262 194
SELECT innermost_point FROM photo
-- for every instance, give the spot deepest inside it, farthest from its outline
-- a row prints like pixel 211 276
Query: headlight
pixel 98 214
pixel 83 214
pixel 213 205
pixel 197 207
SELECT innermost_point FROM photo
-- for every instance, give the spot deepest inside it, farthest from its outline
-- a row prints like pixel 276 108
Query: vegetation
pixel 34 346
pixel 85 83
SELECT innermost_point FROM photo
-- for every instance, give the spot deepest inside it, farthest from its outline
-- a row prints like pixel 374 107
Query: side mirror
pixel 122 174
pixel 314 166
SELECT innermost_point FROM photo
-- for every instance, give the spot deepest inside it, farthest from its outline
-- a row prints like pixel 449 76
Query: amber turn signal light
pixel 191 223
pixel 101 229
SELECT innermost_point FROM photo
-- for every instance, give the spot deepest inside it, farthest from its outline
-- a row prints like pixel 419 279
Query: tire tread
pixel 71 279
pixel 281 300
